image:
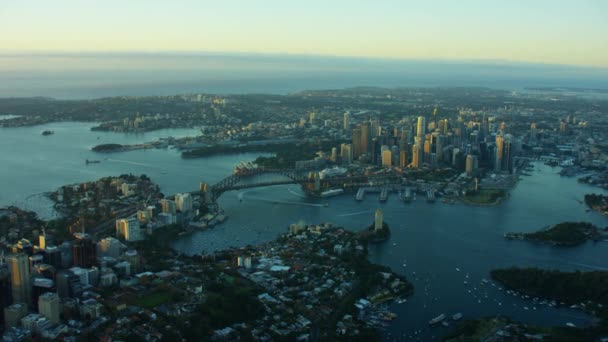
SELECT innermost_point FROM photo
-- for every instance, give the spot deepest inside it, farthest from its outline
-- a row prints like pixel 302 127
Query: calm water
pixel 432 239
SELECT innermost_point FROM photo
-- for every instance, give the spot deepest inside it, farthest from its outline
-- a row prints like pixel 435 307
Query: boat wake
pixel 286 202
pixel 133 163
pixel 589 266
pixel 295 193
pixel 357 213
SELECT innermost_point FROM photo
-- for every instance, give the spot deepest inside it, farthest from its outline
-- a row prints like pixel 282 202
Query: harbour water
pixel 429 241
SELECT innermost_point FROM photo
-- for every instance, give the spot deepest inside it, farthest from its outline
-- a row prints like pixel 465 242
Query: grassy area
pixel 154 299
pixel 485 196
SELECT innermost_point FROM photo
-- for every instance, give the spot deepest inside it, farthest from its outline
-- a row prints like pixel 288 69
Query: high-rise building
pixel 387 158
pixel 533 130
pixel 416 156
pixel 471 164
pixel 84 251
pixel 403 158
pixel 110 247
pixel 129 229
pixel 183 202
pixel 346 121
pixel 346 152
pixel 52 256
pixel 498 152
pixel 334 154
pixel 20 278
pixel 48 306
pixel 378 219
pixel 5 290
pixel 356 143
pixel 311 118
pixel 42 240
pixel 365 137
pixel 168 206
pixel 421 127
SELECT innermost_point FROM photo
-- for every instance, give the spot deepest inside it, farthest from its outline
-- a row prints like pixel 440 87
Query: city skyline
pixel 571 33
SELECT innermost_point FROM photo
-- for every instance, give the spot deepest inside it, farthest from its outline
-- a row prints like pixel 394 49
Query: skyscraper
pixel 416 156
pixel 421 127
pixel 20 278
pixel 387 158
pixel 129 229
pixel 346 121
pixel 183 202
pixel 356 143
pixel 84 251
pixel 346 152
pixel 471 164
pixel 498 153
pixel 365 137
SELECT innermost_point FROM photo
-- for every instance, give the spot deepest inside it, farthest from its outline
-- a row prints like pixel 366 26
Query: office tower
pixel 503 127
pixel 403 158
pixel 498 152
pixel 365 137
pixel 129 229
pixel 563 128
pixel 52 256
pixel 5 290
pixel 373 151
pixel 168 206
pixel 427 151
pixel 84 251
pixel 416 156
pixel 485 127
pixel 387 158
pixel 183 202
pixel 334 154
pixel 471 164
pixel 311 118
pixel 439 147
pixel 48 306
pixel 20 278
pixel 109 247
pixel 375 129
pixel 533 130
pixel 378 219
pixel 421 127
pixel 41 286
pixel 507 154
pixel 356 142
pixel 346 151
pixel 346 121
pixel 68 285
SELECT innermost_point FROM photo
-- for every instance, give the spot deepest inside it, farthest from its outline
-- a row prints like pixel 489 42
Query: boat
pixel 445 324
pixel 456 316
pixel 384 194
pixel 407 197
pixel 571 325
pixel 437 319
pixel 47 132
pixel 92 161
pixel 332 172
pixel 332 192
pixel 430 196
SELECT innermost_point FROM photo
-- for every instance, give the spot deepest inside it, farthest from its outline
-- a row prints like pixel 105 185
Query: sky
pixel 540 31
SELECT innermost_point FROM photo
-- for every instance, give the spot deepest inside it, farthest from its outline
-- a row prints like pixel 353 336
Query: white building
pixel 183 202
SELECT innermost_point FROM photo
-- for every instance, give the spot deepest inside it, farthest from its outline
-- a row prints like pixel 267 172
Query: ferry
pixel 456 316
pixel 245 169
pixel 437 319
pixel 331 193
pixel 47 132
pixel 430 196
pixel 332 172
pixel 407 197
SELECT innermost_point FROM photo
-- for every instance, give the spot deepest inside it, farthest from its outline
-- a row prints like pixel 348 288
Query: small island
pixel 105 148
pixel 597 202
pixel 565 234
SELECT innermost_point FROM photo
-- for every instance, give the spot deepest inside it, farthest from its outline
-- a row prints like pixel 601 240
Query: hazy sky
pixel 552 31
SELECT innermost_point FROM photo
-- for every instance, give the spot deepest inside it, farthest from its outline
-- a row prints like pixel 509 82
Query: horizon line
pixel 200 53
